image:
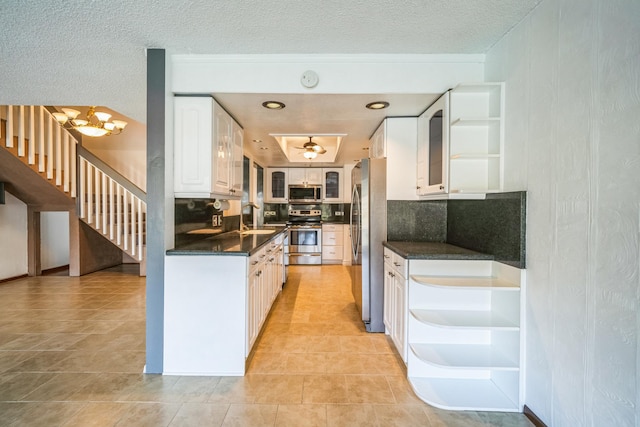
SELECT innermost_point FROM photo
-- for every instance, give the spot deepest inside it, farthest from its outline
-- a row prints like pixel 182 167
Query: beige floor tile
pixel 233 390
pixel 301 416
pixel 60 387
pixel 38 414
pixel 276 389
pixel 500 419
pixel 98 414
pixel 41 361
pixel 194 389
pixel 401 415
pixel 351 416
pixel 268 363
pixel 325 389
pixel 148 414
pixel 369 389
pixel 441 418
pixel 402 391
pixel 305 363
pixel 243 415
pixel 357 344
pixel 200 415
pixel 15 386
pixel 361 363
pixel 106 386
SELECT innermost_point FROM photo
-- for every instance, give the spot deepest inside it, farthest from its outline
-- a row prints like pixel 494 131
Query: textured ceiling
pixel 80 52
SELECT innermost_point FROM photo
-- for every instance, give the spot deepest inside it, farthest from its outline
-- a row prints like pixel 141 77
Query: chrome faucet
pixel 243 227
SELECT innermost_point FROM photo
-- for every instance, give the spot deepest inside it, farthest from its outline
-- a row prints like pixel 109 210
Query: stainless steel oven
pixel 305 235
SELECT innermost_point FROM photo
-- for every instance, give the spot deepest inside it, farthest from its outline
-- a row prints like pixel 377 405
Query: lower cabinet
pixel 460 323
pixel 332 243
pixel 395 300
pixel 215 307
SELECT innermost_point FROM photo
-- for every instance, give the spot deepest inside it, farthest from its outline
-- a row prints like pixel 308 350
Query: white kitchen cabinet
pixel 276 184
pixel 207 150
pixel 473 157
pixel 396 139
pixel 305 176
pixel 333 181
pixel 332 243
pixel 215 308
pixel 465 323
pixel 432 171
pixel 395 300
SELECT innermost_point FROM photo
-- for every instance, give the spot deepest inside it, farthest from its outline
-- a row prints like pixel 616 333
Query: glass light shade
pixel 109 126
pixel 92 131
pixel 79 122
pixel 317 148
pixel 71 113
pixel 120 124
pixel 103 117
pixel 60 118
pixel 310 154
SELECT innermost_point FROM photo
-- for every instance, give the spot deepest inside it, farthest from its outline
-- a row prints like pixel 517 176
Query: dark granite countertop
pixel 434 250
pixel 229 243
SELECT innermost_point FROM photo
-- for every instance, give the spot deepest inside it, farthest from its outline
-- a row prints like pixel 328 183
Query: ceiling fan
pixel 311 149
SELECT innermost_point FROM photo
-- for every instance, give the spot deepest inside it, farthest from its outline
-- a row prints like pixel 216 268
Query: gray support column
pixel 155 208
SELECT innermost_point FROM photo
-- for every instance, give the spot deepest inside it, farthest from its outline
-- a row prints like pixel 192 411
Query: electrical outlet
pixel 339 213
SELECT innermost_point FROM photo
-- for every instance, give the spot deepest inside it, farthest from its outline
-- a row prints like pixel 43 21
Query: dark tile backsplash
pixel 417 221
pixel 495 225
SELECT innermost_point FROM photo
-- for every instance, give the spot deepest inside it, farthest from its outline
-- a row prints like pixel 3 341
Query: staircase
pixel 103 199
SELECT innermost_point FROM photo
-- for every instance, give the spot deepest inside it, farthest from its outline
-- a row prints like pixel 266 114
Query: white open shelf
pixel 464 356
pixel 468 319
pixel 463 394
pixel 465 336
pixel 472 282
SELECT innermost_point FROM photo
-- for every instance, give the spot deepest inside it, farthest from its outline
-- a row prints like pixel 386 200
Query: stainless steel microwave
pixel 305 193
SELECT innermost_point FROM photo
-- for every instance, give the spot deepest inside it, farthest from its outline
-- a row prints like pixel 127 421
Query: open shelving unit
pixel 476 139
pixel 465 338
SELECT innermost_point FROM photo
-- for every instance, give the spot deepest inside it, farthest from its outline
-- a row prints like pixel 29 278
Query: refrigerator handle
pixel 355 200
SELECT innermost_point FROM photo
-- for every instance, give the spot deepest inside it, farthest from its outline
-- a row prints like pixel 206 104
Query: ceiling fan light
pixel 317 148
pixel 310 154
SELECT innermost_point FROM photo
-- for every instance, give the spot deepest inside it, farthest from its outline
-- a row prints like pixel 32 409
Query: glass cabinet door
pixel 332 185
pixel 278 185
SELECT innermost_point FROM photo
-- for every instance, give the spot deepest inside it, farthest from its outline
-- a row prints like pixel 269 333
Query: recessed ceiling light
pixel 273 105
pixel 365 148
pixel 257 141
pixel 378 105
pixel 264 148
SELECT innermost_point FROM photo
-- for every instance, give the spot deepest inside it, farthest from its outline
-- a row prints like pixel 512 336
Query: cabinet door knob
pixel 442 187
pixel 397 264
pixel 418 187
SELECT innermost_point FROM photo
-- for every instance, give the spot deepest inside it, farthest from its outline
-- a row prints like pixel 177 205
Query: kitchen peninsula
pixel 218 293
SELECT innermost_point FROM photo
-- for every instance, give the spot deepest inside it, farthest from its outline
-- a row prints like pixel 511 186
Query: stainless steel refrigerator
pixel 368 229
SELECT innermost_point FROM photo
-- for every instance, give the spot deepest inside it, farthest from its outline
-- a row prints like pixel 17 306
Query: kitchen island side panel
pixel 205 315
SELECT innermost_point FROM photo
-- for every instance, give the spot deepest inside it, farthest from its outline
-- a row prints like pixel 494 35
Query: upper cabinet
pixel 473 156
pixel 432 175
pixel 207 151
pixel 276 185
pixel 396 140
pixel 333 184
pixel 305 176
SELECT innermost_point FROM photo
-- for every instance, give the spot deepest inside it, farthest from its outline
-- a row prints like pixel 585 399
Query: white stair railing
pixel 110 208
pixel 40 137
pixel 118 213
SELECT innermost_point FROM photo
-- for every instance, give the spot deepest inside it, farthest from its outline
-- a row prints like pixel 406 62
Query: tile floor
pixel 72 353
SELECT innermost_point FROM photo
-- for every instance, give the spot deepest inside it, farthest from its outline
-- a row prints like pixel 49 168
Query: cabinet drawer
pixel 332 227
pixel 401 265
pixel 332 253
pixel 332 238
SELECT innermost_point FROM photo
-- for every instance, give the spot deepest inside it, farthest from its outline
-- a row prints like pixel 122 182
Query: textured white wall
pixel 13 238
pixel 54 239
pixel 572 72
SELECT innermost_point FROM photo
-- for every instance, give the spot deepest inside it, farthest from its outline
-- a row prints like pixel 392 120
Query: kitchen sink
pixel 258 232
